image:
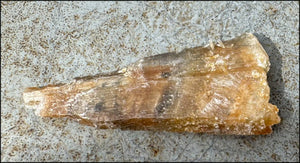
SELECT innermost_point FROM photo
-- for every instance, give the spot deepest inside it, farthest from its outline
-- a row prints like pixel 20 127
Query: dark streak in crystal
pixel 99 107
pixel 165 74
pixel 165 101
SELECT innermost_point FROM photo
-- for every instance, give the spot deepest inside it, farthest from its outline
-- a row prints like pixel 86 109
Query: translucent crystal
pixel 212 89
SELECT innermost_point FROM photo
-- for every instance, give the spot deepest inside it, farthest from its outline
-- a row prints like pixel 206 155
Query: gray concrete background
pixel 53 42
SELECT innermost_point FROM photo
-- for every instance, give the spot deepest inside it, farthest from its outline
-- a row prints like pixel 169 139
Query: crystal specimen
pixel 218 89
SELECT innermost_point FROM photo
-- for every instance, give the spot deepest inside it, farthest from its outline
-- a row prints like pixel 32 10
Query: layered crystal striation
pixel 219 89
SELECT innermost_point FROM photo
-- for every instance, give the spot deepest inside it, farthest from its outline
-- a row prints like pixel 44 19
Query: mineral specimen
pixel 218 89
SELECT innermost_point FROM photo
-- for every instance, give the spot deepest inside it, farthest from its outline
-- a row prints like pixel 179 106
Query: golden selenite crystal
pixel 218 89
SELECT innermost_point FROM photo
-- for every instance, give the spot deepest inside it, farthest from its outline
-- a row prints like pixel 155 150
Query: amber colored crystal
pixel 219 89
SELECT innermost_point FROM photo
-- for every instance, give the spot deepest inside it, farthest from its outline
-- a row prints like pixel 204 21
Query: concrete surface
pixel 53 42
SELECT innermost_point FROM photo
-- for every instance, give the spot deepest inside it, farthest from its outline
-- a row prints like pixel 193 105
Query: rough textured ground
pixel 53 42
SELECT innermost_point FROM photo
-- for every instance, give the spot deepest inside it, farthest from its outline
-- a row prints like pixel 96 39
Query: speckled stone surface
pixel 53 42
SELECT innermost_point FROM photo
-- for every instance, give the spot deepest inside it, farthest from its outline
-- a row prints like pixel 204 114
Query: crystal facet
pixel 219 89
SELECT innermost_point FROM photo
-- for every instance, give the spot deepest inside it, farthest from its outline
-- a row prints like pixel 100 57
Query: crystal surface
pixel 218 89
